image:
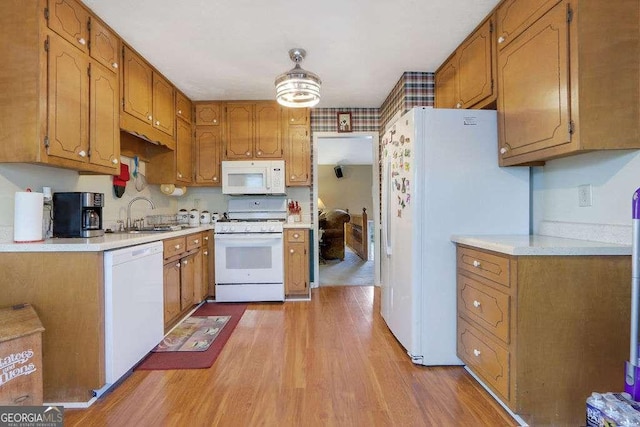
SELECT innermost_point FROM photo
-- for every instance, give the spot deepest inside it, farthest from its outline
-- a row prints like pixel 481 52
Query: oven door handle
pixel 248 236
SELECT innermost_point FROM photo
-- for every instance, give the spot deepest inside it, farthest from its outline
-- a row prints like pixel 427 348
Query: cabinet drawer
pixel 492 267
pixel 514 16
pixel 296 236
pixel 173 247
pixel 194 241
pixel 487 359
pixel 485 306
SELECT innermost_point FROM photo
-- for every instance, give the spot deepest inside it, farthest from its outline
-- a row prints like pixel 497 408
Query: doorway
pixel 340 162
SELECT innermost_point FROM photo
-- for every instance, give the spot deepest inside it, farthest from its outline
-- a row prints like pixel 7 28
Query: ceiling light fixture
pixel 298 88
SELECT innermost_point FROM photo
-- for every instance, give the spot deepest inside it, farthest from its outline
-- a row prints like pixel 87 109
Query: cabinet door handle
pixel 458 105
pixel 248 153
pixel 206 253
pixel 82 41
pixel 215 178
pixel 215 121
pixel 476 352
pixel 114 161
pixel 185 262
pixel 82 153
pixel 476 303
pixel 114 65
pixel 149 117
pixel 293 177
pixel 180 112
pixel 259 153
pixel 179 175
pixel 291 251
pixel 178 265
pixel 157 122
pixel 476 263
pixel 500 39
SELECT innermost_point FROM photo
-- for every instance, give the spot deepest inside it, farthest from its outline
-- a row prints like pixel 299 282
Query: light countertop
pixel 97 244
pixel 541 245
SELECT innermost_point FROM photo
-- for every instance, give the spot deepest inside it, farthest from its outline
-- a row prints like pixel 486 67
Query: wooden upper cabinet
pixel 239 132
pixel 253 130
pixel 297 116
pixel 208 155
pixel 163 104
pixel 70 20
pixel 137 84
pixel 552 101
pixel 184 168
pixel 183 107
pixel 267 128
pixel 476 67
pixel 466 79
pixel 104 126
pixel 104 46
pixel 534 88
pixel 515 16
pixel 298 156
pixel 68 97
pixel 446 84
pixel 208 113
pixel 148 101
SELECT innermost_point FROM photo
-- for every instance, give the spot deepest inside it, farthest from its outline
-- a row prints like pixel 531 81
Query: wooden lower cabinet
pixel 543 332
pixel 208 262
pixel 296 262
pixel 184 275
pixel 70 305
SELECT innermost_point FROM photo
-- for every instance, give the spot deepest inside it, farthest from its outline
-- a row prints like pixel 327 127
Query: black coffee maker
pixel 77 214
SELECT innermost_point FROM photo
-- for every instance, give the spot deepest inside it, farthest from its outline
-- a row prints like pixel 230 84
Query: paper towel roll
pixel 172 190
pixel 27 217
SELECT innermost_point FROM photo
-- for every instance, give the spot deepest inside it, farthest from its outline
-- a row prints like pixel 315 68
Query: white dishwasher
pixel 134 313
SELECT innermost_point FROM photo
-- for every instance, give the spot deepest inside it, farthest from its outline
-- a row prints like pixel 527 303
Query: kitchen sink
pixel 147 230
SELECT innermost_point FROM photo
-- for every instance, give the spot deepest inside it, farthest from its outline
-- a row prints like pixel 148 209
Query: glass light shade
pixel 298 88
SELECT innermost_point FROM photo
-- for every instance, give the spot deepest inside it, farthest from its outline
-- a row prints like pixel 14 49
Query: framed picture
pixel 344 122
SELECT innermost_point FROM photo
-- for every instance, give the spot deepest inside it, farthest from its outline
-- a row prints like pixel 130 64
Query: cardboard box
pixel 20 356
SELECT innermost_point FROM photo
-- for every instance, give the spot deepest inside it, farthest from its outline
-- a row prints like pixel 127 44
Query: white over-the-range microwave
pixel 253 177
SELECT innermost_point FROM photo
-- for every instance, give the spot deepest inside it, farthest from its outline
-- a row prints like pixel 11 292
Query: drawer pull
pixel 206 238
pixel 476 303
pixel 177 247
pixel 476 352
pixel 296 236
pixel 196 241
pixel 476 263
pixel 21 399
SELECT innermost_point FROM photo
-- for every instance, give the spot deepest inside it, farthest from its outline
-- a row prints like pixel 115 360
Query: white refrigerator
pixel 440 177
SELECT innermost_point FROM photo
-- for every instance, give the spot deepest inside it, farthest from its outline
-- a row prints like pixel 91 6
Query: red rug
pixel 198 359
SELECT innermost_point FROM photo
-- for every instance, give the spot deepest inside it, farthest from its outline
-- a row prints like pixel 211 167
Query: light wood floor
pixel 328 362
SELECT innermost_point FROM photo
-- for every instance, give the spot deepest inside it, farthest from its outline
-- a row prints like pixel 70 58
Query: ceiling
pixel 352 150
pixel 233 50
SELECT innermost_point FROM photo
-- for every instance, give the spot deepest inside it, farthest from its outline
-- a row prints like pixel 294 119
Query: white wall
pixel 18 177
pixel 613 175
pixel 352 191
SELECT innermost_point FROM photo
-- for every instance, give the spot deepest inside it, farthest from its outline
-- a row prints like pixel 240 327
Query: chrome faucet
pixel 129 224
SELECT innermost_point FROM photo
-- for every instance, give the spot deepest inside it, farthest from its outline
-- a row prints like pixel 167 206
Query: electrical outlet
pixel 584 195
